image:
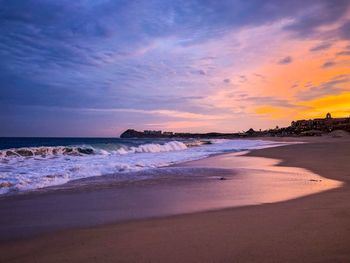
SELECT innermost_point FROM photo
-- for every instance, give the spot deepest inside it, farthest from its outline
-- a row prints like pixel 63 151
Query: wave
pixel 155 148
pixel 31 168
pixel 45 151
pixel 88 150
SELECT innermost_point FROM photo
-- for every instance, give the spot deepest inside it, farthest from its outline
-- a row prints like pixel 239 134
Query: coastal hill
pixel 130 133
pixel 312 127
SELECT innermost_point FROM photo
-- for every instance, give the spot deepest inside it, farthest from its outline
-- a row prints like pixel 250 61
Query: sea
pixel 34 163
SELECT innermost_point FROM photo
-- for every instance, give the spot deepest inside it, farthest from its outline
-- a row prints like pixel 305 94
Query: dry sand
pixel 315 228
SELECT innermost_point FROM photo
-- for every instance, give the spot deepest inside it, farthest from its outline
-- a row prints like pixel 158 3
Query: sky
pixel 98 67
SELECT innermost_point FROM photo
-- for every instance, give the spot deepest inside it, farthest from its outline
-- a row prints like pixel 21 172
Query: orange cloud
pixel 338 105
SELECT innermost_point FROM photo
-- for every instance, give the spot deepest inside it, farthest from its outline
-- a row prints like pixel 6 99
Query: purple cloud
pixel 285 60
pixel 325 88
pixel 129 54
pixel 328 64
pixel 322 46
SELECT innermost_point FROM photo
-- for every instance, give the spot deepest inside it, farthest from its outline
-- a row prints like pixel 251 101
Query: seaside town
pixel 312 127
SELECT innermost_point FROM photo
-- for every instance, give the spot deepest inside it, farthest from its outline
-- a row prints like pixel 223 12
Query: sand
pixel 315 228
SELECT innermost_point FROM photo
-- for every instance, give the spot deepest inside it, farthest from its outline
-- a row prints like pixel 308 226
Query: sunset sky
pixel 97 67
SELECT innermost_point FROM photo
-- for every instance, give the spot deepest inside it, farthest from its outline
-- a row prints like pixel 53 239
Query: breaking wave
pixel 29 168
pixel 87 150
pixel 45 151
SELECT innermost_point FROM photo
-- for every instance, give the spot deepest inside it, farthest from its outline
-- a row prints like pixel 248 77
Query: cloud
pixel 146 55
pixel 202 72
pixel 345 52
pixel 295 85
pixel 260 76
pixel 163 112
pixel 285 60
pixel 320 47
pixel 328 64
pixel 332 86
pixel 268 100
pixel 337 104
pixel 309 21
pixel 242 79
pixel 344 30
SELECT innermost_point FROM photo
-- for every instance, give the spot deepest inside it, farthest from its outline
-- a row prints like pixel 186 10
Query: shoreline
pixel 317 225
pixel 217 182
pixel 25 170
pixel 109 180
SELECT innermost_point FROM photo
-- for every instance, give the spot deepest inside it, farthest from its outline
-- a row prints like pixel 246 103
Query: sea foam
pixel 30 168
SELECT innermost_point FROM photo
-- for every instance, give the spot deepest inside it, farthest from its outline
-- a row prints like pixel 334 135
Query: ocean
pixel 33 163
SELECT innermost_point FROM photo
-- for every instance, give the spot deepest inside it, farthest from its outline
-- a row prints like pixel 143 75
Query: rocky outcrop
pixel 131 133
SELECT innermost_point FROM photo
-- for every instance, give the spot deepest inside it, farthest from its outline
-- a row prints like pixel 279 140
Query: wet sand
pixel 189 187
pixel 314 228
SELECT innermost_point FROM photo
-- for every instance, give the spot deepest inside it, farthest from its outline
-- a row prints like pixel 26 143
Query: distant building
pixel 168 133
pixel 151 132
pixel 327 124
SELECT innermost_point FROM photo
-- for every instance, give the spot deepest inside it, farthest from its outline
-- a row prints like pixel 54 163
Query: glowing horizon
pixel 96 68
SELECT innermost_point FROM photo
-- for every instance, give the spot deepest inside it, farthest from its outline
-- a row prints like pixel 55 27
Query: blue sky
pixel 97 67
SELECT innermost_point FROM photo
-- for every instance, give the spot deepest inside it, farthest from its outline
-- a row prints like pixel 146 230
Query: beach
pixel 179 131
pixel 311 228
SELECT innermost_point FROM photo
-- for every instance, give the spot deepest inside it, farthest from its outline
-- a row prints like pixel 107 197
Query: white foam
pixel 155 148
pixel 19 173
